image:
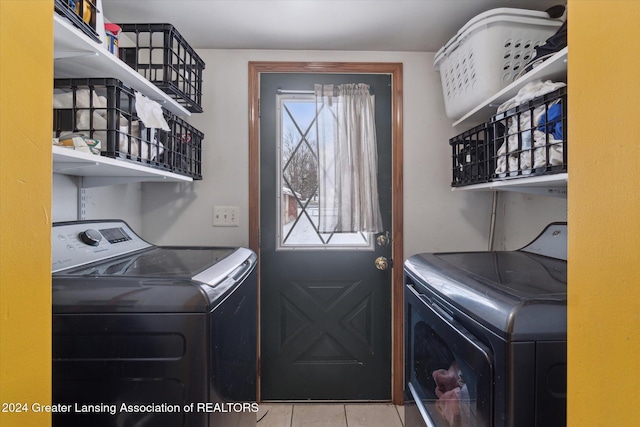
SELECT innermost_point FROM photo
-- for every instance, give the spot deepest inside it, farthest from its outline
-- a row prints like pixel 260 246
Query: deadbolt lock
pixel 383 239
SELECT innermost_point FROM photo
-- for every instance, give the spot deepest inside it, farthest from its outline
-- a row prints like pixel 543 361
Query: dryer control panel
pixel 81 242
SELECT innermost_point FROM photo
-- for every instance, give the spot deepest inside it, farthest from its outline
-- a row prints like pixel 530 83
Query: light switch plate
pixel 226 216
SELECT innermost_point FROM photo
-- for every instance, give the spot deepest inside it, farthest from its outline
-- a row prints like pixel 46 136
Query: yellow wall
pixel 26 60
pixel 604 213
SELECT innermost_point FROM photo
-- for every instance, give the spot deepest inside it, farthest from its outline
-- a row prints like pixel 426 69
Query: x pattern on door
pixel 324 305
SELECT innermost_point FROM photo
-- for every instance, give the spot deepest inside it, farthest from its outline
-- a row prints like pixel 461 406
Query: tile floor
pixel 330 415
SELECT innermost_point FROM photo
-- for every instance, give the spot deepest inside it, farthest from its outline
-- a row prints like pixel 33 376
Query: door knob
pixel 382 263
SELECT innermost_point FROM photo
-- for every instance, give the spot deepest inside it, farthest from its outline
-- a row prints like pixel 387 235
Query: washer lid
pixel 159 262
pixel 158 279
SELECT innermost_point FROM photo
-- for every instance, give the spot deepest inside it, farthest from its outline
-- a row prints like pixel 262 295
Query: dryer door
pixel 448 371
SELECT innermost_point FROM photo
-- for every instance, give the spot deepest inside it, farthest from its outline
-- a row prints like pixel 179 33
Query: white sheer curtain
pixel 347 159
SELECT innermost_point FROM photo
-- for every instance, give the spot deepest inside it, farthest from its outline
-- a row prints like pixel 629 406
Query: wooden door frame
pixel 395 70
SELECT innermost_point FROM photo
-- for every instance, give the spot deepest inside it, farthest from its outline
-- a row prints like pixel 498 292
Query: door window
pixel 297 201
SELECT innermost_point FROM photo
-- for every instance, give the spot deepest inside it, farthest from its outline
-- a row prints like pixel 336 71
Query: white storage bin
pixel 487 53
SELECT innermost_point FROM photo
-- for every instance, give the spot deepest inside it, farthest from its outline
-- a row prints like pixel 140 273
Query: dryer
pixel 486 336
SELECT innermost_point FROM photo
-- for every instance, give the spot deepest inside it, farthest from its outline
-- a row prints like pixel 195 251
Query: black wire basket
pixel 531 139
pixel 472 156
pixel 81 13
pixel 163 56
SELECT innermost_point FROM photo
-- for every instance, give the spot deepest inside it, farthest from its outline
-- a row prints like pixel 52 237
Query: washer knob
pixel 91 237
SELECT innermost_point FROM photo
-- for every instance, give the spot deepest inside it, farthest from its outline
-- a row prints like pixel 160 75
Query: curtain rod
pixel 305 92
pixel 300 92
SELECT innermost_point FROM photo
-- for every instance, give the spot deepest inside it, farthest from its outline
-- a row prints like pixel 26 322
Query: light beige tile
pixel 318 415
pixel 372 415
pixel 274 415
pixel 400 410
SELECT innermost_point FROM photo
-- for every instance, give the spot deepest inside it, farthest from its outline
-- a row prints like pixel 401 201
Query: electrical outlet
pixel 226 216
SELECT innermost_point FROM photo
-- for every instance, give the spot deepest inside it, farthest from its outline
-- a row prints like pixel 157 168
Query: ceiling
pixel 364 25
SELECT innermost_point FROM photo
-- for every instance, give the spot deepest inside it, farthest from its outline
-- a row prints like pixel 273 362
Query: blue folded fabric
pixel 551 122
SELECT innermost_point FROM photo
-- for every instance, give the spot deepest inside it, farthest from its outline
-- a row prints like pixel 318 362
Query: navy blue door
pixel 325 307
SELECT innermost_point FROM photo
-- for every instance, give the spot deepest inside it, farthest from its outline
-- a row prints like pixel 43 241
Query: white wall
pixel 435 218
pixel 109 202
pixel 521 217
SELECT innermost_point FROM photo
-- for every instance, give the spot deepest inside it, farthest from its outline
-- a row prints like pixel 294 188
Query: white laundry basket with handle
pixel 487 53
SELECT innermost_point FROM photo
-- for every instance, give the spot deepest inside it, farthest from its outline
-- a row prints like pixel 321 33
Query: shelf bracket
pixel 81 201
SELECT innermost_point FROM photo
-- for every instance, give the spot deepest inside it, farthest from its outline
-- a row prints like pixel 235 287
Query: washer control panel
pixel 82 242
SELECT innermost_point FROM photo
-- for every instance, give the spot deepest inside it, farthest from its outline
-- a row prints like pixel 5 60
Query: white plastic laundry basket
pixel 487 53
